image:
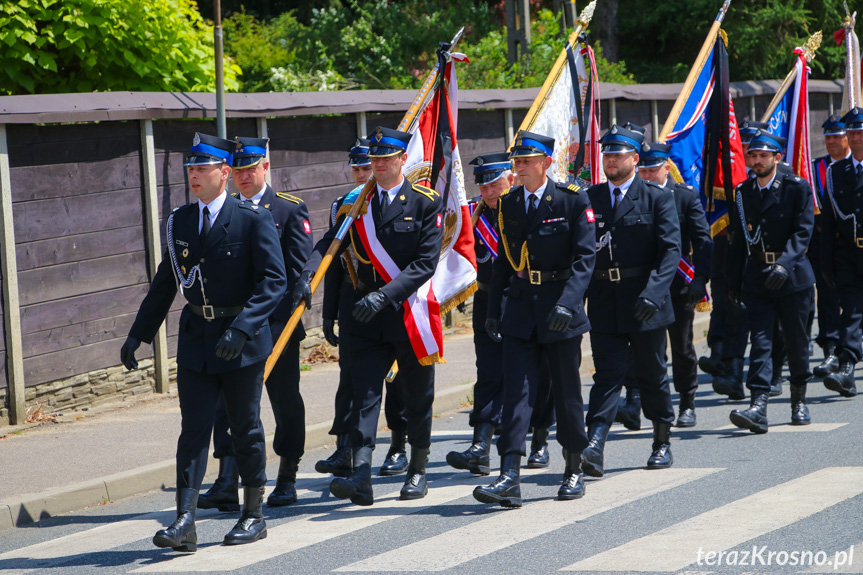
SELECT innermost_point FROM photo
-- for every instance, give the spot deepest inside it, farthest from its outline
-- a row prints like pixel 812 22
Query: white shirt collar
pixel 624 187
pixel 769 184
pixel 215 207
pixel 391 192
pixel 538 193
pixel 256 199
pixel 856 163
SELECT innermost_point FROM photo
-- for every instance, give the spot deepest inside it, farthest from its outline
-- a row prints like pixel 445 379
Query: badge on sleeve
pixel 590 217
pixel 307 226
pixel 439 220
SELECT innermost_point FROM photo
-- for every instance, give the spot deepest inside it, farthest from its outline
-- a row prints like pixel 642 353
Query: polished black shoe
pixel 397 457
pixel 506 489
pixel 476 458
pixel 285 492
pixel 842 382
pixel 799 411
pixel 538 457
pixel 686 416
pixel 830 363
pixel 573 479
pixel 713 365
pixel 629 410
pixel 224 495
pixel 660 457
pixel 755 418
pixel 251 526
pixel 731 384
pixel 415 486
pixel 357 487
pixel 339 463
pixel 592 458
pixel 181 535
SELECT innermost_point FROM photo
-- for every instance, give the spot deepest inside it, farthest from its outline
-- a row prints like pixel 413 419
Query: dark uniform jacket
pixel 646 247
pixel 484 267
pixel 696 245
pixel 786 218
pixel 559 239
pixel 241 264
pixel 841 256
pixel 411 232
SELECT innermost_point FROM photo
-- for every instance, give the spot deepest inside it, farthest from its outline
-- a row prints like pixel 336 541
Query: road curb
pixel 31 508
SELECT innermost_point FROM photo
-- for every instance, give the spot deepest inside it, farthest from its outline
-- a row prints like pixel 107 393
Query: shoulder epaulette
pixel 505 192
pixel 427 192
pixel 654 184
pixel 178 208
pixel 235 194
pixel 251 206
pixel 570 187
pixel 289 197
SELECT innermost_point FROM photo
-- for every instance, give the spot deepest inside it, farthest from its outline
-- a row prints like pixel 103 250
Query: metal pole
pixel 612 110
pixel 752 108
pixel 509 125
pixel 654 110
pixel 263 132
pixel 362 130
pixel 220 70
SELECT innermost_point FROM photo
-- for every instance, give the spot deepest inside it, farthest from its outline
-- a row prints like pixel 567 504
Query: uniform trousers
pixel 849 286
pixel 646 350
pixel 199 393
pixel 283 389
pixel 684 362
pixel 370 361
pixel 827 303
pixel 522 375
pixel 792 312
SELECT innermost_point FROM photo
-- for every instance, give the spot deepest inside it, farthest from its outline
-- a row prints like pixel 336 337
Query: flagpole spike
pixel 812 45
pixel 587 14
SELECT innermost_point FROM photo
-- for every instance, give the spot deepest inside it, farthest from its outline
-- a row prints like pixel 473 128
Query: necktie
pixel 531 208
pixel 616 193
pixel 859 170
pixel 205 226
pixel 385 202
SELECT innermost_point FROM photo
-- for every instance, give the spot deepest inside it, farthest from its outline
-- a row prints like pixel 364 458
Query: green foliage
pixel 53 46
pixel 489 67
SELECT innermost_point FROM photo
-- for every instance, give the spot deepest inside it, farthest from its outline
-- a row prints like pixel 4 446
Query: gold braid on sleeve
pixel 524 255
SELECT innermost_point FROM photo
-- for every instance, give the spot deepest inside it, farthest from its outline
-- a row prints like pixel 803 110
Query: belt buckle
pixel 209 312
pixel 614 274
pixel 859 242
pixel 535 278
pixel 770 257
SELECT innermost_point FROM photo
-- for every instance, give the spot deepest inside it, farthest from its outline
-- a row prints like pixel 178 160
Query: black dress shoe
pixel 686 417
pixel 573 479
pixel 629 410
pixel 799 411
pixel 842 382
pixel 224 495
pixel 755 418
pixel 415 486
pixel 357 487
pixel 476 458
pixel 181 535
pixel 660 457
pixel 339 463
pixel 830 364
pixel 251 526
pixel 285 492
pixel 506 489
pixel 593 456
pixel 538 457
pixel 732 383
pixel 396 461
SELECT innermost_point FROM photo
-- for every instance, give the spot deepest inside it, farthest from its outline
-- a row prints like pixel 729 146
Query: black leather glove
pixel 776 278
pixel 645 309
pixel 230 346
pixel 734 299
pixel 127 353
pixel 696 290
pixel 328 328
pixel 492 328
pixel 559 318
pixel 829 277
pixel 302 291
pixel 462 307
pixel 369 306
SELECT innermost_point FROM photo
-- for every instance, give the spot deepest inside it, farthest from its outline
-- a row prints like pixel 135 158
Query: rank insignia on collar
pixel 267 206
pixel 402 197
pixel 186 253
pixel 547 198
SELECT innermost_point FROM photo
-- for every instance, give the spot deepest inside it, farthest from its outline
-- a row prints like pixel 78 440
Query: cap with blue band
pixel 853 120
pixel 750 128
pixel 359 153
pixel 619 140
pixel 530 144
pixel 654 154
pixel 385 142
pixel 490 167
pixel 766 142
pixel 250 152
pixel 210 150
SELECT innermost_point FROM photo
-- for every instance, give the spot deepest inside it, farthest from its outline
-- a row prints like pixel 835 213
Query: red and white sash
pixel 421 310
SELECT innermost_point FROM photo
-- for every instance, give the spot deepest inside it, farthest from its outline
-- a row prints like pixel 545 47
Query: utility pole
pixel 220 70
pixel 517 29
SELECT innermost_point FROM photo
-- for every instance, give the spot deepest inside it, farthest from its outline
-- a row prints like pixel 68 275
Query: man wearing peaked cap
pixel 747 132
pixel 224 254
pixel 546 240
pixel 407 221
pixel 283 387
pixel 339 291
pixel 638 250
pixel 842 252
pixel 771 225
pixel 827 301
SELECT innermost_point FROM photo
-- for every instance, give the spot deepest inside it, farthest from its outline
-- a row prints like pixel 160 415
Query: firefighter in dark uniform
pixel 772 223
pixel 408 223
pixel 690 283
pixel 628 301
pixel 338 289
pixel 283 386
pixel 546 236
pixel 224 256
pixel 828 300
pixel 842 252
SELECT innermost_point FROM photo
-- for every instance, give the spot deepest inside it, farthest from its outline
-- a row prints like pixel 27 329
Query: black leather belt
pixel 209 312
pixel 766 257
pixel 538 277
pixel 481 286
pixel 617 274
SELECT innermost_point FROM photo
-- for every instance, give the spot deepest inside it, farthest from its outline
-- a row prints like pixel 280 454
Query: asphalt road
pixel 795 493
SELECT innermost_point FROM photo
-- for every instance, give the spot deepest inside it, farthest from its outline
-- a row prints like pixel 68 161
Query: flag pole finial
pixel 812 45
pixel 587 14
